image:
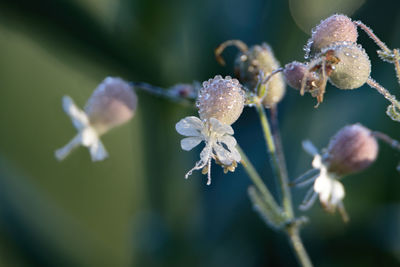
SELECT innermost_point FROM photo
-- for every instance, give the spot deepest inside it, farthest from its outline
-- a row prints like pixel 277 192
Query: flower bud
pixel 351 150
pixel 111 104
pixel 336 28
pixel 353 68
pixel 261 58
pixel 294 73
pixel 222 99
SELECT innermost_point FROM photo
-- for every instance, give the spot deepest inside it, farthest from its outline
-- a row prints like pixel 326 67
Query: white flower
pixel 87 135
pixel 220 145
pixel 326 186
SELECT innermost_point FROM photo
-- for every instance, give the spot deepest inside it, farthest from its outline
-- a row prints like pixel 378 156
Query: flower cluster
pixel 333 55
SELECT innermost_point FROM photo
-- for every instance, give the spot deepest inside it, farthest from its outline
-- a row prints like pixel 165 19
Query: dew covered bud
pixel 260 58
pixel 222 99
pixel 353 68
pixel 336 28
pixel 111 104
pixel 352 149
pixel 294 73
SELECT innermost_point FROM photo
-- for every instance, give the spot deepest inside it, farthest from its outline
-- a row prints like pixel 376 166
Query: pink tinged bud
pixel 222 99
pixel 351 150
pixel 336 28
pixel 111 104
pixel 294 73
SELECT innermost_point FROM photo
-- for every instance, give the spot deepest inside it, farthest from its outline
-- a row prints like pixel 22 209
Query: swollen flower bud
pixel 111 104
pixel 336 28
pixel 248 66
pixel 294 73
pixel 353 68
pixel 351 150
pixel 222 99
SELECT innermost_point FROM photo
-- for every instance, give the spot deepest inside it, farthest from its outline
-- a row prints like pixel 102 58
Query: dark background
pixel 135 208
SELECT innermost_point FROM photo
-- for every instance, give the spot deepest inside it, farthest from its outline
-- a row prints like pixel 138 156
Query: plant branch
pixel 259 184
pixel 276 165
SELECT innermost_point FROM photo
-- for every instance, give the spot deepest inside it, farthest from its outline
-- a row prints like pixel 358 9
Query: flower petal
pixel 323 186
pixel 189 126
pixel 337 194
pixel 223 155
pixel 98 151
pixel 190 142
pixel 78 117
pixel 220 128
pixel 228 140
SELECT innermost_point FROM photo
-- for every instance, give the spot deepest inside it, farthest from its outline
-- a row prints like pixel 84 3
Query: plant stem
pixel 396 63
pixel 297 246
pixel 276 165
pixel 257 181
pixel 384 92
pixel 161 92
pixel 371 34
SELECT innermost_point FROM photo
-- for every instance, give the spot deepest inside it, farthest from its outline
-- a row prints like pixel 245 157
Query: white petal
pixel 309 147
pixel 235 155
pixel 323 186
pixel 78 116
pixel 63 152
pixel 223 155
pixel 189 126
pixel 98 151
pixel 218 127
pixel 337 194
pixel 205 154
pixel 190 142
pixel 228 140
pixel 89 136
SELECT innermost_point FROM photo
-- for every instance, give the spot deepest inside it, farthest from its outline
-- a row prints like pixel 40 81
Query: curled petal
pixel 220 128
pixel 190 142
pixel 189 126
pixel 205 157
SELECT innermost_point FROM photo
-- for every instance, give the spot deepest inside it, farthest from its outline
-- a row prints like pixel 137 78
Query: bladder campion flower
pixel 220 102
pixel 351 150
pixel 111 104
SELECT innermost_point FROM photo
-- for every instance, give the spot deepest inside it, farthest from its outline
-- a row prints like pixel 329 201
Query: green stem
pixel 297 246
pixel 257 181
pixel 276 165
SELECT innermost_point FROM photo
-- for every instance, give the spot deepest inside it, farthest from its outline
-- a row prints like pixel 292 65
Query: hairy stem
pixel 397 63
pixel 277 166
pixel 371 35
pixel 384 92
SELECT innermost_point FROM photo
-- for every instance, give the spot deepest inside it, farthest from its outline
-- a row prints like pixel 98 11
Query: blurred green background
pixel 135 208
